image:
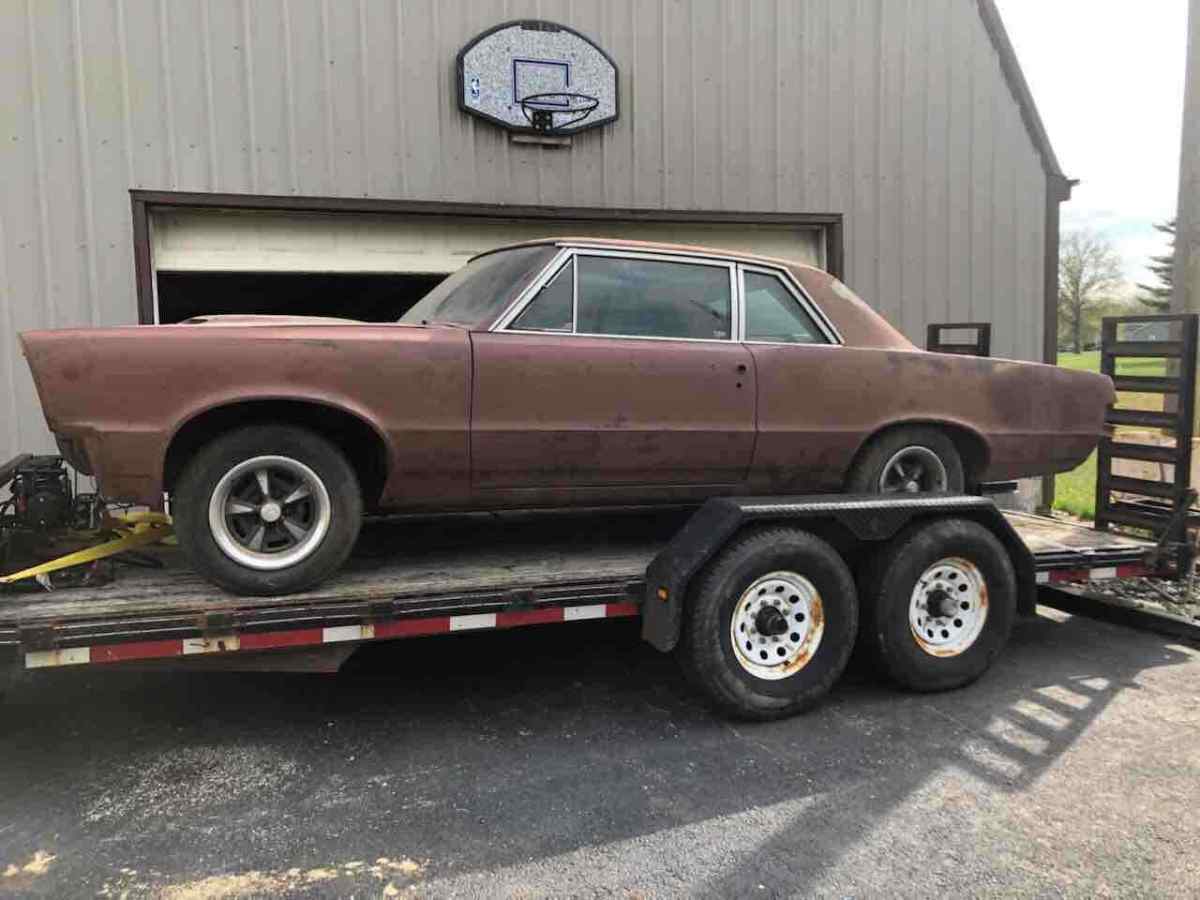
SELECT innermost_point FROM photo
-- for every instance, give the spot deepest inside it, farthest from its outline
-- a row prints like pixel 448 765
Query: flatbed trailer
pixel 419 578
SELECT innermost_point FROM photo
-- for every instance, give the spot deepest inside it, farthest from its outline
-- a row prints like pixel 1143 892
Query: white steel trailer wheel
pixel 269 512
pixel 948 607
pixel 752 591
pixel 777 625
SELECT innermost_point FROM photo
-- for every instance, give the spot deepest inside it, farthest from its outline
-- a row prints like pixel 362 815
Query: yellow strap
pixel 133 518
pixel 142 533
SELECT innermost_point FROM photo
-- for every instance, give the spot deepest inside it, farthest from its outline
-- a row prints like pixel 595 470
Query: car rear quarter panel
pixel 126 391
pixel 858 324
pixel 817 405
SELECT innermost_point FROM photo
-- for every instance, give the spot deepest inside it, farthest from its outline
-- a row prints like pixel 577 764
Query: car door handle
pixel 741 367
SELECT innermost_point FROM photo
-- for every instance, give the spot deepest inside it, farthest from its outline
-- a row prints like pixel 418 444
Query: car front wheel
pixel 267 510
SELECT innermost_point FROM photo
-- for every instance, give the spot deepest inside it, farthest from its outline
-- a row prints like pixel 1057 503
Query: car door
pixel 620 373
pixel 807 394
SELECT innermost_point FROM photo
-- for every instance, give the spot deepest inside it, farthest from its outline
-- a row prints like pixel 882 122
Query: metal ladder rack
pixel 1159 505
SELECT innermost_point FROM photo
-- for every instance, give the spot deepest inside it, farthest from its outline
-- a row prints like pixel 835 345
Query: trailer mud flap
pixel 860 518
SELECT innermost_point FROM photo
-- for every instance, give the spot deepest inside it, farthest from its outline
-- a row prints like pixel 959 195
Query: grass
pixel 1075 491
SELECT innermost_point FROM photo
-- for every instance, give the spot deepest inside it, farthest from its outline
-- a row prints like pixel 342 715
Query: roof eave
pixel 1060 184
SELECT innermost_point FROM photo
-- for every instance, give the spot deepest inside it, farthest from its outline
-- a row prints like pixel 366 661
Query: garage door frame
pixel 145 203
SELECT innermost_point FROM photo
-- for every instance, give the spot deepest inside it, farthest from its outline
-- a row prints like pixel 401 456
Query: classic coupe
pixel 556 373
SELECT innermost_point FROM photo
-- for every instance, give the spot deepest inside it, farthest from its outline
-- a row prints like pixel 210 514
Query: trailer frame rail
pixel 250 626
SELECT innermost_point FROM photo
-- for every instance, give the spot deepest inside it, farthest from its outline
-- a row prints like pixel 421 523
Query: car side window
pixel 774 314
pixel 651 298
pixel 553 307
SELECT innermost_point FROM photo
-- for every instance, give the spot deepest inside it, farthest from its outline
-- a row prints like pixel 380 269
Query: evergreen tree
pixel 1158 296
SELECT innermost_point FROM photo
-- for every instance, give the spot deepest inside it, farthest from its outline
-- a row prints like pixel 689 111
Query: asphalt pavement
pixel 573 760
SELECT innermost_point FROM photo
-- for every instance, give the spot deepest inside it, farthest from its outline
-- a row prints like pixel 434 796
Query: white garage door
pixel 192 240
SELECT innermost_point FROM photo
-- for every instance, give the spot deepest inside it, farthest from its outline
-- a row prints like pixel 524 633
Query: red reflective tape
pixel 303 637
pixel 528 617
pixel 1125 571
pixel 270 640
pixel 1070 575
pixel 412 627
pixel 105 653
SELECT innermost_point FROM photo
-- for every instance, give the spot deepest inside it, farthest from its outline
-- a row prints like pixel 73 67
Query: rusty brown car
pixel 570 372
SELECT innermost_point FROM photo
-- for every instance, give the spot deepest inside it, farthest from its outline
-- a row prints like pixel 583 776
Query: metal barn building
pixel 161 158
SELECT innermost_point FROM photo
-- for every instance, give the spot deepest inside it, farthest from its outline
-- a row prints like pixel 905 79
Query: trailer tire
pixel 938 604
pixel 770 673
pixel 222 547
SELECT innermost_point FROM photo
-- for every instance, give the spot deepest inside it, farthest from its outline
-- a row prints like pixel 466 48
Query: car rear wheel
pixel 267 510
pixel 938 604
pixel 915 459
pixel 771 624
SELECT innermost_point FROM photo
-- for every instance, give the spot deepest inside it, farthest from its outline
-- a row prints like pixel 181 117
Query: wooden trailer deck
pixel 409 578
pixel 1059 545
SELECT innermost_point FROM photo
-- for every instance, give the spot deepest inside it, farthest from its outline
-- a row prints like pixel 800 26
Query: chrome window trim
pixel 543 283
pixel 714 257
pixel 517 306
pixel 574 293
pixel 574 251
pixel 832 337
pixel 633 337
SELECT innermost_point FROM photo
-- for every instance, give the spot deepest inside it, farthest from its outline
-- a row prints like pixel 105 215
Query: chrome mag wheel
pixel 913 470
pixel 777 625
pixel 269 512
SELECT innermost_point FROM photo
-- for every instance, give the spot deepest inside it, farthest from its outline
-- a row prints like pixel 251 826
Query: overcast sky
pixel 1107 76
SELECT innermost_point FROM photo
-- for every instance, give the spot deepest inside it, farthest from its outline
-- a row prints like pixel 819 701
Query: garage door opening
pixel 369 297
pixel 373 264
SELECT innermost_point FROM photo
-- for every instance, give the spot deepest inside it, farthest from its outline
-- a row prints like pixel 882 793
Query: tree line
pixel 1089 278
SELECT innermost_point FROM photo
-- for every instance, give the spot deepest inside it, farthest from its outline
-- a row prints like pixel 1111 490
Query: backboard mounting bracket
pixel 546 140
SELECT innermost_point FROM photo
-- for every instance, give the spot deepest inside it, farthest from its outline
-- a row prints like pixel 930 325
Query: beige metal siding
pixel 893 112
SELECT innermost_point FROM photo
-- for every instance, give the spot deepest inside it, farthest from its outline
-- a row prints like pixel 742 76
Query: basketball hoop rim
pixel 576 113
pixel 589 102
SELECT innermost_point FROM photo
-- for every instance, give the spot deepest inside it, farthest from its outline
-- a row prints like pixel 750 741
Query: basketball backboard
pixel 537 76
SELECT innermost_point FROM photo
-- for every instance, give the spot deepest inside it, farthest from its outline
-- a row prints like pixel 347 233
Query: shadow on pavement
pixel 487 750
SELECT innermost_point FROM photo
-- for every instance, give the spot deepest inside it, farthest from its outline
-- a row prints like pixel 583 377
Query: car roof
pixel 655 247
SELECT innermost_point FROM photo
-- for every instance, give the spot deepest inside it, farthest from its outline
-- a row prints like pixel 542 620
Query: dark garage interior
pixel 369 297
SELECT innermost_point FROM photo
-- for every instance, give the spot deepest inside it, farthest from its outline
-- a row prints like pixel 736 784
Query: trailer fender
pixel 868 518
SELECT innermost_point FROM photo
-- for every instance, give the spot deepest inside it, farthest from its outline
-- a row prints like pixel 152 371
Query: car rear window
pixel 651 298
pixel 477 293
pixel 774 314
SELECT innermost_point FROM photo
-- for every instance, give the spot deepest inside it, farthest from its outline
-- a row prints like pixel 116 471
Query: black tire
pixel 706 651
pixel 887 635
pixel 864 475
pixel 201 475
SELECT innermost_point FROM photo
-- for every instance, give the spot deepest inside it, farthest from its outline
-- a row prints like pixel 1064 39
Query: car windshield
pixel 478 292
